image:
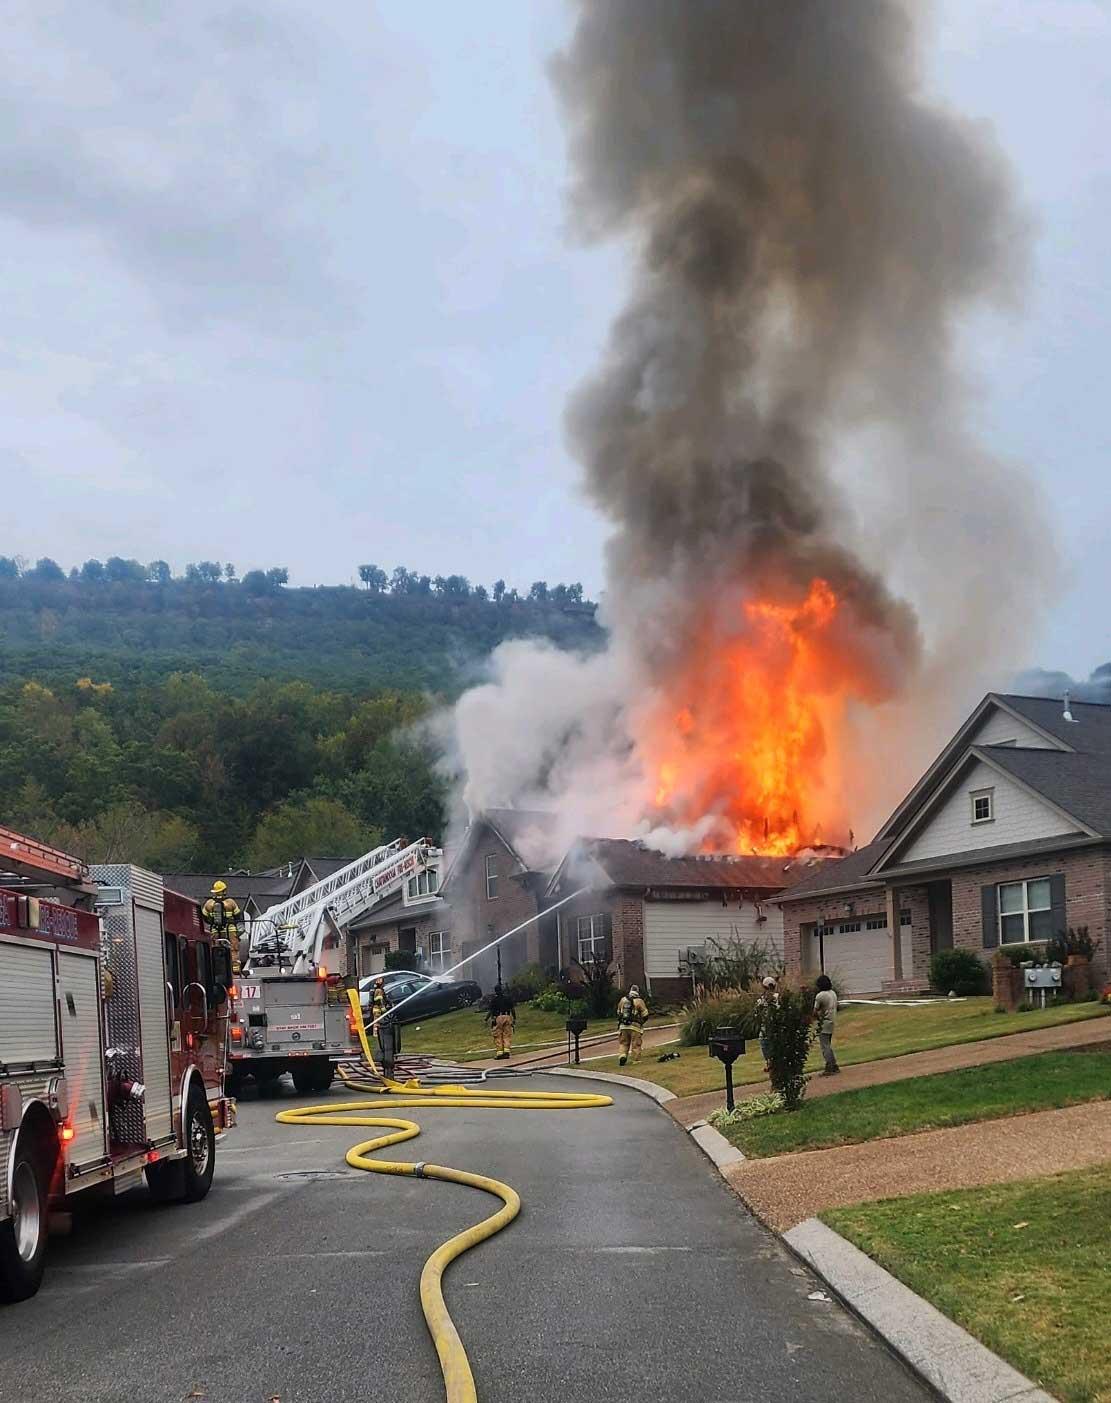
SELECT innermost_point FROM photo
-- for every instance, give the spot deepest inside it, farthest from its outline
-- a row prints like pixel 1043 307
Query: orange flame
pixel 750 719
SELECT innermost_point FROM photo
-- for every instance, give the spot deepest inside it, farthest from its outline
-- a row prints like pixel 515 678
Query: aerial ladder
pixel 290 1011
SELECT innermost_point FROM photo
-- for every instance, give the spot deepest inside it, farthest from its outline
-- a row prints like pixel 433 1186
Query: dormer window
pixel 983 805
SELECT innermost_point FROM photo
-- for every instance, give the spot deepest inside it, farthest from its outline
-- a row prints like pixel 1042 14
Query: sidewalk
pixel 689 1109
pixel 790 1188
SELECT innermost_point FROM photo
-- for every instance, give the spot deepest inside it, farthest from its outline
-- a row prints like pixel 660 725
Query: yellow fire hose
pixel 459 1383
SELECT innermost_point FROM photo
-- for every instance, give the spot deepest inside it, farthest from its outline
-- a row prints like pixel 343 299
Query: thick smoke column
pixel 807 231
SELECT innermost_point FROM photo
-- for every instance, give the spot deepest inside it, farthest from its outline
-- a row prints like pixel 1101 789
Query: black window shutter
pixel 989 905
pixel 607 931
pixel 1057 902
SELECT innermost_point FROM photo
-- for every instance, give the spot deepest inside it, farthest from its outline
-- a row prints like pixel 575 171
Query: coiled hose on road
pixel 459 1385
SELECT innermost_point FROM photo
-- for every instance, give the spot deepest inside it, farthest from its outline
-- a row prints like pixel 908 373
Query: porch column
pixel 895 932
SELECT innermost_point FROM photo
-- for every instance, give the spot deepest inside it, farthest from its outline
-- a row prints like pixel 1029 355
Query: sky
pixel 292 284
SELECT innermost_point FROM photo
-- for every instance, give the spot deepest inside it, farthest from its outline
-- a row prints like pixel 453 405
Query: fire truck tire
pixel 309 1079
pixel 23 1236
pixel 200 1149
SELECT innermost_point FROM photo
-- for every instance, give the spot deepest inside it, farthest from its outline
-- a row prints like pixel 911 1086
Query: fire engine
pixel 289 1008
pixel 113 1028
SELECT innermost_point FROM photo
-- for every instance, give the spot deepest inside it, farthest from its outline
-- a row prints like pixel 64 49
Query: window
pixel 439 950
pixel 848 927
pixel 983 805
pixel 173 969
pixel 593 937
pixel 491 876
pixel 424 884
pixel 875 923
pixel 1025 911
pixel 904 918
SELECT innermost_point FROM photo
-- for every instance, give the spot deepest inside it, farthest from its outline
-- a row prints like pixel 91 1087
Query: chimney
pixel 1067 714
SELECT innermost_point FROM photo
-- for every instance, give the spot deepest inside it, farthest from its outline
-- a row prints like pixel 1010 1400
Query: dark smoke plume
pixel 780 399
pixel 1037 682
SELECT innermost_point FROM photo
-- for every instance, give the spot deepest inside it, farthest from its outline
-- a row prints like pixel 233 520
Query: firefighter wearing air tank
pixel 221 915
pixel 632 1014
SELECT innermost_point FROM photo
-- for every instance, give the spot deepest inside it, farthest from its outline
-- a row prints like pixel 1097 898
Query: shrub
pixel 958 972
pixel 554 1000
pixel 699 1019
pixel 403 959
pixel 736 964
pixel 788 1031
pixel 598 989
pixel 526 983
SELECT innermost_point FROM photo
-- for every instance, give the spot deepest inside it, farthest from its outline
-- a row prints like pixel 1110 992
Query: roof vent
pixel 1067 713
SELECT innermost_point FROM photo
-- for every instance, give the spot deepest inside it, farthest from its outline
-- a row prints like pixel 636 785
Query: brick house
pixel 1005 839
pixel 642 911
pixel 493 881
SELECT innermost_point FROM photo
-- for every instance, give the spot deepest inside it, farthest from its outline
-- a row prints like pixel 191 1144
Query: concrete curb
pixel 957 1366
pixel 647 1088
pixel 713 1144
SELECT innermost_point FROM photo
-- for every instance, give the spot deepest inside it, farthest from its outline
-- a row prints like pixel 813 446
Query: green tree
pixel 9 568
pixel 47 569
pixel 315 826
pixel 373 577
pixel 277 576
pixel 159 573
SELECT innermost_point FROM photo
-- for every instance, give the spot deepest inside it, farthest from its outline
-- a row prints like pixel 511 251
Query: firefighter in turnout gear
pixel 221 916
pixel 632 1014
pixel 502 1017
pixel 386 1026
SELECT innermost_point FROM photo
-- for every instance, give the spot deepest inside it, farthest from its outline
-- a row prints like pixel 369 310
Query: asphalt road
pixel 632 1273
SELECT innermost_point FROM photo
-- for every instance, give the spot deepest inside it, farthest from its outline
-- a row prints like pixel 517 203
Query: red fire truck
pixel 113 1036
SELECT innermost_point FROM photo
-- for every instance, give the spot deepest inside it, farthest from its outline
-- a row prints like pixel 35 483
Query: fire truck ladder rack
pixel 30 858
pixel 297 926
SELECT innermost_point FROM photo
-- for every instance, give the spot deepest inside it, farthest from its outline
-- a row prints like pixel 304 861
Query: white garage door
pixel 859 958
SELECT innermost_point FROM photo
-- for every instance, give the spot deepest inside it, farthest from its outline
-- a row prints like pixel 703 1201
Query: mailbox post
pixel 727 1044
pixel 575 1029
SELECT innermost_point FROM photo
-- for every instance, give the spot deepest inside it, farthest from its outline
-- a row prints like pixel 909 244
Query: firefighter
pixel 502 1017
pixel 386 1026
pixel 632 1013
pixel 221 914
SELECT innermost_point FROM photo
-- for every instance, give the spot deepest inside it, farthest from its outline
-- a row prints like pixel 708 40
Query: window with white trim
pixel 439 950
pixel 1025 911
pixel 593 937
pixel 491 876
pixel 424 884
pixel 983 805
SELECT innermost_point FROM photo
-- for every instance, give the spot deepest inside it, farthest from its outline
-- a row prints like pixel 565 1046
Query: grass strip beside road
pixel 1022 1266
pixel 464 1036
pixel 865 1033
pixel 1044 1082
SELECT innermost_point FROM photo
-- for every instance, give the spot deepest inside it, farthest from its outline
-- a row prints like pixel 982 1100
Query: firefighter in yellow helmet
pixel 632 1014
pixel 221 916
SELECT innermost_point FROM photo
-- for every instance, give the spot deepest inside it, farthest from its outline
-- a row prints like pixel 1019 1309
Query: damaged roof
pixel 627 863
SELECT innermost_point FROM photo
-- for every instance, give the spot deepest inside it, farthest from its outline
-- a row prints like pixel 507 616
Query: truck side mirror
pixel 221 970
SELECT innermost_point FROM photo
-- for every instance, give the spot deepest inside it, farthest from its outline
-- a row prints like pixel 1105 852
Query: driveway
pixel 633 1273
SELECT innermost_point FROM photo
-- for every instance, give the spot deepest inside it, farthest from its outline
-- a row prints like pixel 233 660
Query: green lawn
pixel 1041 1083
pixel 865 1033
pixel 1022 1266
pixel 464 1036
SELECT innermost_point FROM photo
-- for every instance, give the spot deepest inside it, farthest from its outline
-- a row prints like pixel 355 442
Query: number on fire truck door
pixel 79 1007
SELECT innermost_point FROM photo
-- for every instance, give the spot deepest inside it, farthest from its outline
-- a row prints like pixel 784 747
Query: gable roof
pixel 243 886
pixel 1078 785
pixel 624 862
pixel 1089 732
pixel 517 829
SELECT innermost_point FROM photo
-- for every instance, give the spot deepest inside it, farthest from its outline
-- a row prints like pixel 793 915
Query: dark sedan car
pixel 433 994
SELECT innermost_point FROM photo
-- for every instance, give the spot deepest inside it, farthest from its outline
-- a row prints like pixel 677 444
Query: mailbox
pixel 727 1044
pixel 575 1029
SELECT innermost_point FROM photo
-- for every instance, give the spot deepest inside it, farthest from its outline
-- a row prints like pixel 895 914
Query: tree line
pixel 181 775
pixel 408 583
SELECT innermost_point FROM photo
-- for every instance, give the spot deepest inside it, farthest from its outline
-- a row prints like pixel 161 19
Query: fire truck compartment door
pixel 154 1032
pixel 27 1028
pixel 79 1009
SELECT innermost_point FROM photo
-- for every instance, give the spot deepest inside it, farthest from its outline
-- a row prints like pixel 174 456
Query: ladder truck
pixel 113 1029
pixel 289 1010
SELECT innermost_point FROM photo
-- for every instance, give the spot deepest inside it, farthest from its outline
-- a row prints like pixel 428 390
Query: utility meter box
pixel 1042 977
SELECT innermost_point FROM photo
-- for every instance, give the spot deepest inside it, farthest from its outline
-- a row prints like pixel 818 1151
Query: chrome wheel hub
pixel 26 1211
pixel 198 1145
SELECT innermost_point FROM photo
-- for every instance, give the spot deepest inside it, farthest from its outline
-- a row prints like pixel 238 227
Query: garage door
pixel 858 957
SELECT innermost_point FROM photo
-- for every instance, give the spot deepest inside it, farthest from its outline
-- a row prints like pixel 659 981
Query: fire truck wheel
pixel 23 1235
pixel 310 1079
pixel 200 1149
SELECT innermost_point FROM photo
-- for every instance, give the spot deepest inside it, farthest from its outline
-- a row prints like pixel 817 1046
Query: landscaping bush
pixel 736 964
pixel 526 983
pixel 699 1019
pixel 788 1031
pixel 554 1000
pixel 403 959
pixel 598 988
pixel 959 972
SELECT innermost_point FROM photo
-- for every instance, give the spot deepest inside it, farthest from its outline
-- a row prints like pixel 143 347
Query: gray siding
pixel 671 927
pixel 998 728
pixel 1019 818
